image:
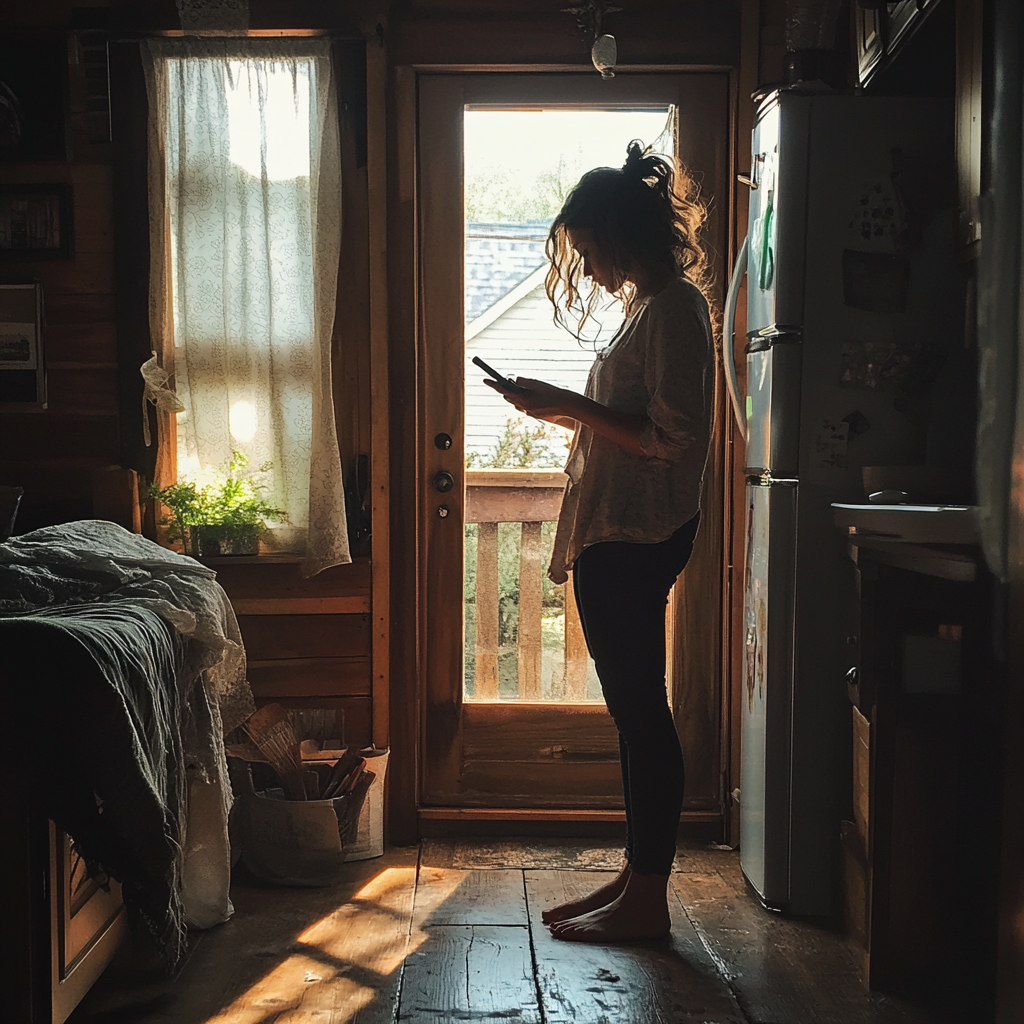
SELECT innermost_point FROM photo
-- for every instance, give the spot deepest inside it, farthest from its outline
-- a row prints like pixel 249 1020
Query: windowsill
pixel 275 559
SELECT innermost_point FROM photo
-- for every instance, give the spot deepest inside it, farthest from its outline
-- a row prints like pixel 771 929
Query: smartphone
pixel 503 382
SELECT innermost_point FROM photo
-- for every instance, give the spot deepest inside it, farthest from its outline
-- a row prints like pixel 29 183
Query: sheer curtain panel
pixel 245 221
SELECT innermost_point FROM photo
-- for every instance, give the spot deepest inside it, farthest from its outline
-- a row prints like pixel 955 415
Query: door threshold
pixel 437 822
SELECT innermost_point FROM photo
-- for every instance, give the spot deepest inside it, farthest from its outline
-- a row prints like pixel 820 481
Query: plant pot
pixel 214 542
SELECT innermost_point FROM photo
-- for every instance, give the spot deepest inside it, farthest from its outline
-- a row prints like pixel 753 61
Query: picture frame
pixel 22 363
pixel 19 346
pixel 36 223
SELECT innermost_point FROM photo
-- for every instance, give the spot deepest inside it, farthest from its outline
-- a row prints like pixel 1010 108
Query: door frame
pixel 701 606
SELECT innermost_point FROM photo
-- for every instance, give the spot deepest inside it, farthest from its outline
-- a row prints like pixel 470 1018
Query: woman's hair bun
pixel 635 162
pixel 643 165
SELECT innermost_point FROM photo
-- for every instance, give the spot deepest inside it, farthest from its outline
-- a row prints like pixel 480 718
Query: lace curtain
pixel 245 222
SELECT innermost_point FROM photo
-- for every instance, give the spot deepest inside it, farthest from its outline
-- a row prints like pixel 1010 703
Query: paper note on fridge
pixel 830 442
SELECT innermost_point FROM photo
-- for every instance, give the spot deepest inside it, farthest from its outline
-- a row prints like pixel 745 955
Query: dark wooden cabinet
pixel 868 39
pixel 87 924
pixel 924 688
pixel 881 30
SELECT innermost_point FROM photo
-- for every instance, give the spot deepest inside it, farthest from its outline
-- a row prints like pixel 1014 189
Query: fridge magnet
pixel 879 221
pixel 875 365
pixel 858 423
pixel 35 222
pixel 830 444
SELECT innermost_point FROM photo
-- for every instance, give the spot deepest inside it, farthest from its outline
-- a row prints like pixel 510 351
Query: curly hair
pixel 646 216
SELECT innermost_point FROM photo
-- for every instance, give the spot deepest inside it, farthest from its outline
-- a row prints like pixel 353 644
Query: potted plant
pixel 226 517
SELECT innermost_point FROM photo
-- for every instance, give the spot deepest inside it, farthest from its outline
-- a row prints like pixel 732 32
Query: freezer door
pixel 767 691
pixel 773 410
pixel 777 214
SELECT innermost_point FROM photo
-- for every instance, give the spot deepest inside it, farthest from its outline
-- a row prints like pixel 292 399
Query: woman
pixel 632 505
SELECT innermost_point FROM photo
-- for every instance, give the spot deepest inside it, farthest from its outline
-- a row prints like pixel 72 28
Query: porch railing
pixel 529 498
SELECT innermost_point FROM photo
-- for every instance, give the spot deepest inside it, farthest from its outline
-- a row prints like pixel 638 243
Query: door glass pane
pixel 523 637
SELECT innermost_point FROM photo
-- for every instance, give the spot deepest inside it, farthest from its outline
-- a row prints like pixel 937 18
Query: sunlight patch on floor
pixel 350 950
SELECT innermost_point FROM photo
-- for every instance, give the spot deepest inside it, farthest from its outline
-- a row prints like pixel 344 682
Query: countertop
pixel 933 539
pixel 911 524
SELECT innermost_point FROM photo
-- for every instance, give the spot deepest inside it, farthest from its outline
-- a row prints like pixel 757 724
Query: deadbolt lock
pixel 443 481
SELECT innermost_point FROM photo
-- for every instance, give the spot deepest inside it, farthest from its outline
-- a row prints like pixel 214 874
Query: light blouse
pixel 661 365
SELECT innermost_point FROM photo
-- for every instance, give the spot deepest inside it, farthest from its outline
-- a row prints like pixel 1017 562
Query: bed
pixel 124 669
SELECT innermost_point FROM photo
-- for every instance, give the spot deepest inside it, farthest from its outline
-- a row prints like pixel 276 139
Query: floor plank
pixel 315 956
pixel 644 983
pixel 455 935
pixel 470 973
pixel 448 896
pixel 781 968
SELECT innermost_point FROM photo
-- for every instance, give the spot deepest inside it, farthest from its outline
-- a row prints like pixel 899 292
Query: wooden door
pixel 530 753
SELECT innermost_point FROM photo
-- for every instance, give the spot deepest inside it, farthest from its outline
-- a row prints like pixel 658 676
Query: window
pixel 245 197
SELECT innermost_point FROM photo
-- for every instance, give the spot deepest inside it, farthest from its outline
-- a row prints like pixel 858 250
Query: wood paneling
pixel 380 386
pixel 441 393
pixel 78 310
pixel 270 637
pixel 583 732
pixel 50 438
pixel 542 783
pixel 700 34
pixel 81 419
pixel 84 391
pixel 264 577
pixel 403 465
pixel 310 677
pixel 356 712
pixel 77 342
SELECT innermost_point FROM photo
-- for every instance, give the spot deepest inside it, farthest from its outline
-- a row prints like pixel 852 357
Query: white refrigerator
pixel 852 297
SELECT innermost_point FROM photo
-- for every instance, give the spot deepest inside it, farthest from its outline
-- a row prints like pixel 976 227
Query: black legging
pixel 621 591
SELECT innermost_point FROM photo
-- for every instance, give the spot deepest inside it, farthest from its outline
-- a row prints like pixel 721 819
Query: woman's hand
pixel 567 408
pixel 542 400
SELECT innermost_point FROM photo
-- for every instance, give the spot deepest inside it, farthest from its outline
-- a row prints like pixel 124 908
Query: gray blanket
pixel 134 654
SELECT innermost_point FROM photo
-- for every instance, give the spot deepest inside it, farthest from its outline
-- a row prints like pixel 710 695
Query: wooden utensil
pixel 271 730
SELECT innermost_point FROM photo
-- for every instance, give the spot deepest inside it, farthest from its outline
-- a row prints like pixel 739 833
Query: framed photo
pixel 22 363
pixel 35 223
pixel 19 346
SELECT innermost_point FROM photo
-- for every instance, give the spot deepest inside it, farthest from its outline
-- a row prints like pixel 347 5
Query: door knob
pixel 443 481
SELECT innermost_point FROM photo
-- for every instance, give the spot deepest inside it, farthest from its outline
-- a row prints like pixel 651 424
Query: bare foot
pixel 597 899
pixel 639 912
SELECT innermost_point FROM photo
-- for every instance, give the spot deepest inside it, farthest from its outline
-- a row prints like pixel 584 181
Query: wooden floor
pixel 451 931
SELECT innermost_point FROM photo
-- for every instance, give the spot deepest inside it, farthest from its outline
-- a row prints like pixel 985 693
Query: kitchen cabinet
pixel 882 29
pixel 923 684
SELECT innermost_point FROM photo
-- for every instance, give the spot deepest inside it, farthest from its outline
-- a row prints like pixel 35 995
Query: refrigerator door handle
pixel 729 333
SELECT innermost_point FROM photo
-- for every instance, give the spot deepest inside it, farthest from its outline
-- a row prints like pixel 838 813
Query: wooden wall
pixel 89 425
pixel 308 640
pixel 53 452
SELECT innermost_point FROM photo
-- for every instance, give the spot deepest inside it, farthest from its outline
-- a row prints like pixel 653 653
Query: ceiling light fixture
pixel 603 49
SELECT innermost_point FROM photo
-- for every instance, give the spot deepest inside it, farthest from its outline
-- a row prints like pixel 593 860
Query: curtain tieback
pixel 157 392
